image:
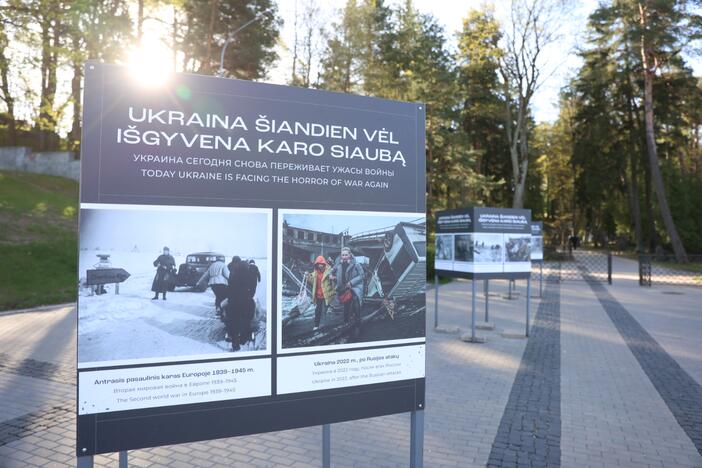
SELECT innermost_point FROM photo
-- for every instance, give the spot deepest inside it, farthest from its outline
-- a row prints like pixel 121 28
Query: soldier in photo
pixel 240 307
pixel 165 274
pixel 255 277
pixel 216 277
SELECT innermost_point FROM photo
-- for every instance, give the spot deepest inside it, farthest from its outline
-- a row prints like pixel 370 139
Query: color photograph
pixel 351 277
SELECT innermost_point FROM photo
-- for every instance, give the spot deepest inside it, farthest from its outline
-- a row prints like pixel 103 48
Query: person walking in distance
pixel 165 267
pixel 348 275
pixel 322 288
pixel 217 277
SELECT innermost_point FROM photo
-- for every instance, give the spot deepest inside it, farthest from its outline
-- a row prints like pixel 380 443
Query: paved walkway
pixel 588 388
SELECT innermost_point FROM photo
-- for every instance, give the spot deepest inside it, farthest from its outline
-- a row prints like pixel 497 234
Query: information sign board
pixel 483 242
pixel 275 239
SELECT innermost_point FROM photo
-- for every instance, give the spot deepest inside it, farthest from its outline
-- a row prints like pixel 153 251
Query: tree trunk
pixel 634 204
pixel 649 69
pixel 74 135
pixel 430 164
pixel 140 21
pixel 308 46
pixel 512 137
pixel 294 62
pixel 174 37
pixel 5 88
pixel 207 66
pixel 653 240
pixel 633 182
pixel 523 166
pixel 49 40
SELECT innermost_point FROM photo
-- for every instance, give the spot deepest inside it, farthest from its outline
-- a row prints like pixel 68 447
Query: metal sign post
pixel 472 311
pixel 472 338
pixel 486 325
pixel 487 293
pixel 417 439
pixel 326 445
pixel 528 303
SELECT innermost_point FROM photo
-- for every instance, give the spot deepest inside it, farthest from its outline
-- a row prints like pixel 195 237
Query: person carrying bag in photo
pixel 348 275
pixel 319 280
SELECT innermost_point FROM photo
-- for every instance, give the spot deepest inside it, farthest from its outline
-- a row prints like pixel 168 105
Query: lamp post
pixel 258 16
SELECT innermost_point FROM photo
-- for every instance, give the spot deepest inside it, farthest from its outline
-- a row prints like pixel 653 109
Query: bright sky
pixel 560 59
pixel 335 223
pixel 181 231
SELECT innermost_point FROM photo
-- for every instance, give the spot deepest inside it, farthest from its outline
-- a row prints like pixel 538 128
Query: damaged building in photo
pixel 393 259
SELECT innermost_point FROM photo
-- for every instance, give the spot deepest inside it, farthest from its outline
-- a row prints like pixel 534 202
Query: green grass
pixel 38 240
pixel 693 267
pixel 686 267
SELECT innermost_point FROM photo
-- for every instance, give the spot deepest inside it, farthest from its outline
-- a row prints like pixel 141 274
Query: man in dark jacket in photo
pixel 348 275
pixel 255 277
pixel 240 305
pixel 165 273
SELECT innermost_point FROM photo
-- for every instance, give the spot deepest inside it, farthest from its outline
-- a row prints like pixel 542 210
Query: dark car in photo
pixel 195 265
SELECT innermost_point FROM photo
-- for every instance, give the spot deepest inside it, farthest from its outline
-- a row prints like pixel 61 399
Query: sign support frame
pixel 326 445
pixel 417 439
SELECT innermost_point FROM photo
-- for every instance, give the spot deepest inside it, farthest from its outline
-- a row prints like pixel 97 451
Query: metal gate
pixel 664 269
pixel 570 265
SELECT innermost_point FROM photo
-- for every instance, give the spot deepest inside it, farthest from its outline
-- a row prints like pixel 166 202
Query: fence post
pixel 641 277
pixel 645 270
pixel 609 267
pixel 436 300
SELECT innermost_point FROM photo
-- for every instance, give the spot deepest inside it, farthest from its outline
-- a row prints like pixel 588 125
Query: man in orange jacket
pixel 322 288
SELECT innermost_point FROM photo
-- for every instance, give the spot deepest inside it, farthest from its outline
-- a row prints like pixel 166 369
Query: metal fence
pixel 570 265
pixel 665 269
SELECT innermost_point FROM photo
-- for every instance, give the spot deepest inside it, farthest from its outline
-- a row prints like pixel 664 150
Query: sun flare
pixel 150 63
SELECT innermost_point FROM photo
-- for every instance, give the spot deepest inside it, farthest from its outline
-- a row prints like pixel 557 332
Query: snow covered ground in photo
pixel 487 248
pixel 130 326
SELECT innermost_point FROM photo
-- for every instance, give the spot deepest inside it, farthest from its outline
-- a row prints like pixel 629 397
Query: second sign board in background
pixel 483 242
pixel 269 181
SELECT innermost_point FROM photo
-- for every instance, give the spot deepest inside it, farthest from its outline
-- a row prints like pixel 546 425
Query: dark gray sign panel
pixel 483 242
pixel 223 199
pixel 219 142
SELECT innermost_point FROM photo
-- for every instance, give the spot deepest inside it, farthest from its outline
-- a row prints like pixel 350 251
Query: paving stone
pixel 533 408
pixel 612 415
pixel 680 392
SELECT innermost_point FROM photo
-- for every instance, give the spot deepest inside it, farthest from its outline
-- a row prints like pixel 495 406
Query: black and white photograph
pixel 463 250
pixel 161 283
pixel 350 277
pixel 487 248
pixel 517 248
pixel 444 247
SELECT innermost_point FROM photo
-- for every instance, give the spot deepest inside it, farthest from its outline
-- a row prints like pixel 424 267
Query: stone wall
pixel 58 163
